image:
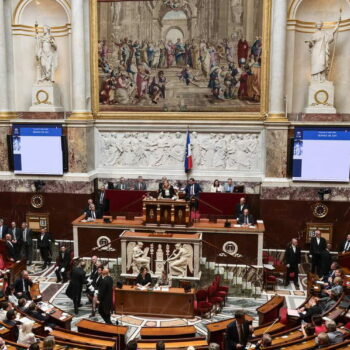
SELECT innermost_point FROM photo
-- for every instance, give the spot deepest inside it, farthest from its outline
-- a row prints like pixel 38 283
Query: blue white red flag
pixel 188 153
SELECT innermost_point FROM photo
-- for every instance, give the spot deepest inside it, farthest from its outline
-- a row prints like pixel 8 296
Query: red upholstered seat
pixel 291 275
pixel 283 315
pixel 271 278
pixel 213 298
pixel 201 304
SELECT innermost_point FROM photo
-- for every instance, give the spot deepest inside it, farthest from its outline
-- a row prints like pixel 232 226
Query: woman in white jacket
pixel 26 335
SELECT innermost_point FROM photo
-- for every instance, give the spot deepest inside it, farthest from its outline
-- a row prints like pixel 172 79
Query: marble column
pixel 4 64
pixel 278 61
pixel 79 97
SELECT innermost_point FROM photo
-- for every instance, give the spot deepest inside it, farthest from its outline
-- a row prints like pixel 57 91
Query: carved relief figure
pixel 181 257
pixel 136 257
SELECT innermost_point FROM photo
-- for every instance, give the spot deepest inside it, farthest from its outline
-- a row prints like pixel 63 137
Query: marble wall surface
pixel 276 152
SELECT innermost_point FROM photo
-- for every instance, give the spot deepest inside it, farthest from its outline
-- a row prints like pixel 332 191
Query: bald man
pixel 105 296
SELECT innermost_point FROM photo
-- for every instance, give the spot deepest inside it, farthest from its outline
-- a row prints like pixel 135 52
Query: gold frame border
pixel 257 116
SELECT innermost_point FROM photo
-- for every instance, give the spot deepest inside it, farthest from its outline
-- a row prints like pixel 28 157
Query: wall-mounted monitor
pixel 321 154
pixel 37 149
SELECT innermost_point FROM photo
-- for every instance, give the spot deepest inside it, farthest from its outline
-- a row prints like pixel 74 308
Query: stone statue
pixel 181 257
pixel 46 55
pixel 320 52
pixel 137 257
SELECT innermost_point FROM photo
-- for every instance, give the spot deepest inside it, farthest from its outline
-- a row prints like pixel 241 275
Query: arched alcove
pixel 301 21
pixel 56 14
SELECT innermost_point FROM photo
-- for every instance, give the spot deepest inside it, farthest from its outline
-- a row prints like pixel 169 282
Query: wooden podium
pixel 166 212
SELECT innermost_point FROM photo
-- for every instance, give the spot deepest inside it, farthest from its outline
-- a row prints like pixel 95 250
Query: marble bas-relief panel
pixel 239 152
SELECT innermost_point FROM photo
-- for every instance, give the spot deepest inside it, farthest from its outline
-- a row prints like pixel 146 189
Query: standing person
pixel 240 207
pixel 105 296
pixel 317 245
pixel 3 229
pixel 10 248
pixel 237 332
pixel 326 260
pixel 75 286
pixel 16 239
pixel 102 201
pixel 92 289
pixel 62 264
pixel 192 189
pixel 44 245
pixel 27 239
pixel 292 260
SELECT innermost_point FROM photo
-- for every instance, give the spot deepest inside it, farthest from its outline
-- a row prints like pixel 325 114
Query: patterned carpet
pixel 55 293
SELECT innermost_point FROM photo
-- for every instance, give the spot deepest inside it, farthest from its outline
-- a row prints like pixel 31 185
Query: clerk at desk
pixel 144 278
pixel 246 219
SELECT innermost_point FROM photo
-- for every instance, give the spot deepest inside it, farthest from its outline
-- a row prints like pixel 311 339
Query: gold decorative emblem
pixel 42 96
pixel 180 214
pixel 321 97
pixel 165 214
pixel 37 201
pixel 320 210
pixel 151 214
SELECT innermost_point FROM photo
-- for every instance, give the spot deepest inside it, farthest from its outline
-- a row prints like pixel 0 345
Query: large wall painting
pixel 180 56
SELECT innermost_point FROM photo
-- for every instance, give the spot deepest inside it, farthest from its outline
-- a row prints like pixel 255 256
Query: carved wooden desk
pixel 166 212
pixel 172 303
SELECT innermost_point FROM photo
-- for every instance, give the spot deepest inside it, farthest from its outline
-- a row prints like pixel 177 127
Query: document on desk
pixel 293 312
pixel 165 289
pixel 142 288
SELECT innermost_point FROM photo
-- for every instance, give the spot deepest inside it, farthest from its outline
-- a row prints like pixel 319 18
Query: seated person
pixel 337 273
pixel 167 191
pixel 22 286
pixel 26 335
pixel 336 288
pixel 160 185
pixel 228 188
pixel 22 304
pixel 240 207
pixel 334 336
pixel 216 187
pixel 307 329
pixel 140 185
pixel 327 303
pixel 320 327
pixel 309 310
pixel 264 342
pixel 5 306
pixel 322 340
pixel 122 185
pixel 329 276
pixel 143 278
pixel 12 323
pixel 10 293
pixel 163 279
pixel 92 213
pixel 246 219
pixel 34 312
pixel 90 201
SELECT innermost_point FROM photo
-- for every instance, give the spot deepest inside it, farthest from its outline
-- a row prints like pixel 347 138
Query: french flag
pixel 188 157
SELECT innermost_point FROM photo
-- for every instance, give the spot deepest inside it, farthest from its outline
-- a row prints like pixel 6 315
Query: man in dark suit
pixel 44 245
pixel 22 286
pixel 140 185
pixel 237 333
pixel 122 185
pixel 75 286
pixel 105 296
pixel 292 260
pixel 93 214
pixel 345 246
pixel 62 264
pixel 317 245
pixel 16 238
pixel 326 260
pixel 246 219
pixel 10 248
pixel 240 207
pixel 27 239
pixel 192 189
pixel 3 229
pixel 102 201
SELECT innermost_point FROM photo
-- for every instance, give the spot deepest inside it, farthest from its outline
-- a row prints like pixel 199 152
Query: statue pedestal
pixel 321 98
pixel 46 98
